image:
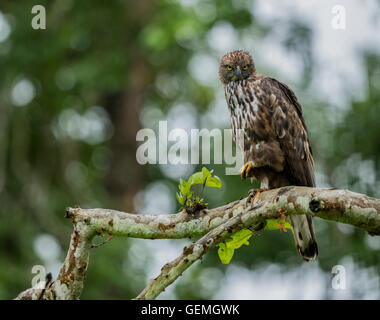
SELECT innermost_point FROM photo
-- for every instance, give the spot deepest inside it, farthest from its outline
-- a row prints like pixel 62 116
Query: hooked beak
pixel 238 72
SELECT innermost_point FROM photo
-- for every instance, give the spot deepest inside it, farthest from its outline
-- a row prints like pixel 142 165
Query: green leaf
pixel 226 250
pixel 180 198
pixel 225 254
pixel 205 174
pixel 196 178
pixel 236 240
pixel 189 196
pixel 214 182
pixel 239 238
pixel 184 187
pixel 273 224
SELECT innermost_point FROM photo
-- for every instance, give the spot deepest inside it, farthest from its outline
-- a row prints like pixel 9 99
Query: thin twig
pixel 109 237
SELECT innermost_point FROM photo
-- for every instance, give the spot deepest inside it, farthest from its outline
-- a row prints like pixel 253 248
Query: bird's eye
pixel 245 67
pixel 229 67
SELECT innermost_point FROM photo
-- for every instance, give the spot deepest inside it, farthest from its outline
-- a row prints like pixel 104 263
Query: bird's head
pixel 235 66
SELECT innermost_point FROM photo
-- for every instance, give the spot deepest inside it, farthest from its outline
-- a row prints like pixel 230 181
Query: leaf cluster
pixel 190 199
pixel 235 241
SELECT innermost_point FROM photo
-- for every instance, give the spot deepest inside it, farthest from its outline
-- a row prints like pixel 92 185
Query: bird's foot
pixel 253 194
pixel 246 171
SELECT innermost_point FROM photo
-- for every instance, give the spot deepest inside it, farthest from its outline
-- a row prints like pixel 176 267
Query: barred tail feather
pixel 304 236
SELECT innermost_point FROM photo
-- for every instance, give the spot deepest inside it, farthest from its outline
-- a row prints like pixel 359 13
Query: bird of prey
pixel 276 146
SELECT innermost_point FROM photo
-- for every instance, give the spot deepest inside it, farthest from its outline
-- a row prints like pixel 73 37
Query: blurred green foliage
pixel 91 74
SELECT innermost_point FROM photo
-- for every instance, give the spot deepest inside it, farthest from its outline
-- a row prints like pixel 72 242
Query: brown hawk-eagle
pixel 276 146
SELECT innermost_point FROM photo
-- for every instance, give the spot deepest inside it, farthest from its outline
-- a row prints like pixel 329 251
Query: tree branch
pixel 215 225
pixel 195 251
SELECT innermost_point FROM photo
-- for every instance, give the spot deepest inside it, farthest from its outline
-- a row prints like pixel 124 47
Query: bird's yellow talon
pixel 246 170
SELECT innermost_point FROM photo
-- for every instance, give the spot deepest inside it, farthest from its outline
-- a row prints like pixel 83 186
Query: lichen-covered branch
pixel 195 251
pixel 338 205
pixel 70 280
pixel 213 225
